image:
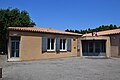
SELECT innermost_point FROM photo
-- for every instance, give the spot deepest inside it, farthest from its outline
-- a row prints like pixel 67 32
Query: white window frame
pixel 50 44
pixel 65 45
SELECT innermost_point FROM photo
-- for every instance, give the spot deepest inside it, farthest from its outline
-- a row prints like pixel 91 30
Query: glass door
pixel 90 48
pixel 14 48
pixel 94 48
pixel 97 48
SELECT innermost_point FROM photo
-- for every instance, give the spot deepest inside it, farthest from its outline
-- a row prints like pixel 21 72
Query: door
pixel 15 48
pixel 90 49
pixel 94 48
pixel 97 48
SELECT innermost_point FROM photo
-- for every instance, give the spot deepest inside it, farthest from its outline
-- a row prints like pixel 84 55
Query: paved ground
pixel 73 68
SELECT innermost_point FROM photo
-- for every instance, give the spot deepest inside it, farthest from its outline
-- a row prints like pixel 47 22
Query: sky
pixel 68 14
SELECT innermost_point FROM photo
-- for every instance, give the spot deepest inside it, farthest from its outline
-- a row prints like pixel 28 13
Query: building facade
pixel 43 43
pixel 39 43
pixel 113 41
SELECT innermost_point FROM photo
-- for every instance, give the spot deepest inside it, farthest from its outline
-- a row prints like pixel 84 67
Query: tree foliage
pixel 12 18
pixel 100 28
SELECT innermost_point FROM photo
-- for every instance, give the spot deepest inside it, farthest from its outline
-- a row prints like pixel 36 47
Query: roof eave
pixel 13 29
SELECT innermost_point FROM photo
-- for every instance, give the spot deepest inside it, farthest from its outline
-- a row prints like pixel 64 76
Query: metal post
pixel 0 72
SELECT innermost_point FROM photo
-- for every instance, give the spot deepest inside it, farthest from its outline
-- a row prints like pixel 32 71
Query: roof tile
pixel 107 32
pixel 45 30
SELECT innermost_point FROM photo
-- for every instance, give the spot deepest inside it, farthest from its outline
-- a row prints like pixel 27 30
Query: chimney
pixel 92 33
pixel 96 34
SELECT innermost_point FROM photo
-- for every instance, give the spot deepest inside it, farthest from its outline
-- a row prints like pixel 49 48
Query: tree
pixel 12 18
pixel 67 30
pixel 100 28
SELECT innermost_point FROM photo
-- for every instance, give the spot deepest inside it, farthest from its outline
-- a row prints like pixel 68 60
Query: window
pixel 50 44
pixel 62 44
pixel 56 44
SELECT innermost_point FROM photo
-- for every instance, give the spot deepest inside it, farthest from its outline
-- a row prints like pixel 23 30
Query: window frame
pixel 50 44
pixel 65 45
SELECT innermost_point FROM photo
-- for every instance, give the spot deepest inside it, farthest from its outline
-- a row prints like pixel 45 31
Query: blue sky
pixel 68 14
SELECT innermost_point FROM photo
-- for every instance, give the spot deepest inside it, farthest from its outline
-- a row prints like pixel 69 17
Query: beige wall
pixel 115 45
pixel 31 46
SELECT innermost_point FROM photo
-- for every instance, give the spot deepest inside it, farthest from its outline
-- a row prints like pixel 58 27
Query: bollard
pixel 0 72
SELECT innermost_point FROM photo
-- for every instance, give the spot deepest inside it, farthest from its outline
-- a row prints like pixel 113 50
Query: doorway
pixel 15 41
pixel 94 47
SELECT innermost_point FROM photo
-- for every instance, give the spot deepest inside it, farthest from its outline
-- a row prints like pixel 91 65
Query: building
pixel 41 43
pixel 27 43
pixel 103 43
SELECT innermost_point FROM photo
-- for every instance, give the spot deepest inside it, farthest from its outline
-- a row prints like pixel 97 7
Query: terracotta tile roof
pixel 104 33
pixel 44 30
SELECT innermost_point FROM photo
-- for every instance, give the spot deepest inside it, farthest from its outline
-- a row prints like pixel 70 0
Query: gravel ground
pixel 74 68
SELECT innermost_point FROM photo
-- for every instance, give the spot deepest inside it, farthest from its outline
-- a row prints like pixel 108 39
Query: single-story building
pixel 104 42
pixel 27 43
